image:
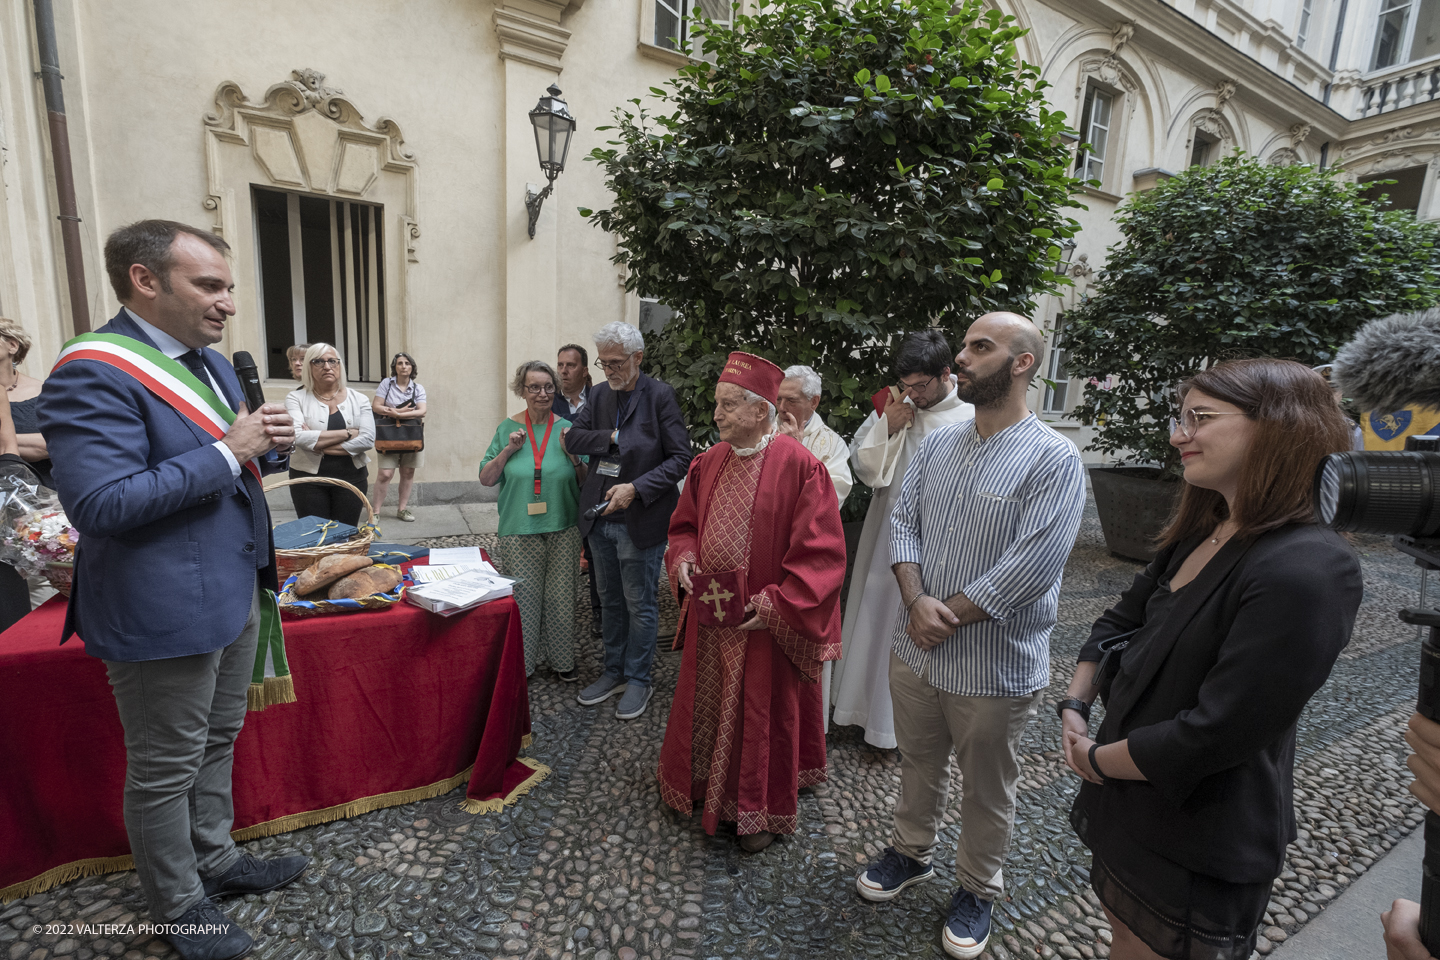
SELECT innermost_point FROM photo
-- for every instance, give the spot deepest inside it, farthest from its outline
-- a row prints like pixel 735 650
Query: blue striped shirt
pixel 993 519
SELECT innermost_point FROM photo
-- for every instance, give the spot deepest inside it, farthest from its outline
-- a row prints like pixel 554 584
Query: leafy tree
pixel 1239 259
pixel 842 173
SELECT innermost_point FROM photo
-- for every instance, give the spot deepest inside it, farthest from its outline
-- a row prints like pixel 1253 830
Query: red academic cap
pixel 755 374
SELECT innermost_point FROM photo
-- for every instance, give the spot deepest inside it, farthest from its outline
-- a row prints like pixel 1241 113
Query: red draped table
pixel 393 706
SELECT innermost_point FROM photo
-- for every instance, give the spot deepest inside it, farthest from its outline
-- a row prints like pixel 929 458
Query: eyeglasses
pixel 536 389
pixel 1190 420
pixel 917 387
pixel 331 362
pixel 612 366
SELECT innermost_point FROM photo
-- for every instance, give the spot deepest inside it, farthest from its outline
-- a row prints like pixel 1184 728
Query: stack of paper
pixel 461 592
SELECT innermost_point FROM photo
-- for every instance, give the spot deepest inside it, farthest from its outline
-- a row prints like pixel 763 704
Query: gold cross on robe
pixel 716 596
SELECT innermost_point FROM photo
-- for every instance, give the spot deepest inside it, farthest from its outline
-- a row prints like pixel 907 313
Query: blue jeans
pixel 628 578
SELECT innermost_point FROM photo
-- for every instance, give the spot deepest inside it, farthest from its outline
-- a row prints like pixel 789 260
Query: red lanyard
pixel 538 449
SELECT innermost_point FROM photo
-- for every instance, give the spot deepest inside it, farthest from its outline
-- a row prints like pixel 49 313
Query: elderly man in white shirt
pixel 799 401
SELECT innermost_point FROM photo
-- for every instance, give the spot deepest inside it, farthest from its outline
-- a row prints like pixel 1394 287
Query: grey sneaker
pixel 406 515
pixel 633 703
pixel 601 690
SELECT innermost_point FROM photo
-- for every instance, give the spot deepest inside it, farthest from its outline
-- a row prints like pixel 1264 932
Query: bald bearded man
pixel 986 516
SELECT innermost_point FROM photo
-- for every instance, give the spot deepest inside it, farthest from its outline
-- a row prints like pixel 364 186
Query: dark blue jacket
pixel 654 453
pixel 170 542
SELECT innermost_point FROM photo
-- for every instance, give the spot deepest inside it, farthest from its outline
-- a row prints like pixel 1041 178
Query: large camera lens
pixel 1384 493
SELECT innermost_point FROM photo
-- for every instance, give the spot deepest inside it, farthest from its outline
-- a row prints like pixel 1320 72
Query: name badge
pixel 536 508
pixel 608 468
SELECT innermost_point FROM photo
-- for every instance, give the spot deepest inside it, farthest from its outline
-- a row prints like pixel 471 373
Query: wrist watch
pixel 1073 704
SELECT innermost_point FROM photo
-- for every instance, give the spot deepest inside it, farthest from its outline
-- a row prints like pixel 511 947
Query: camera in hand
pixel 1394 362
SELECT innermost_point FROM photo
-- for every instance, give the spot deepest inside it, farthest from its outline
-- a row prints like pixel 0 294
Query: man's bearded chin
pixel 988 391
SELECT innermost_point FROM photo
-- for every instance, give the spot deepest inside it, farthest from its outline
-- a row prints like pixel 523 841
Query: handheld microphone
pixel 245 369
pixel 1392 363
pixel 595 511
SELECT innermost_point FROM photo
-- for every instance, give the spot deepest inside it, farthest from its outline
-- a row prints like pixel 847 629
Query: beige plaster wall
pixel 482 295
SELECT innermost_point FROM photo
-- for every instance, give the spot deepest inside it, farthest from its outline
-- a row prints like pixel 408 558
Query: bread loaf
pixel 363 583
pixel 320 575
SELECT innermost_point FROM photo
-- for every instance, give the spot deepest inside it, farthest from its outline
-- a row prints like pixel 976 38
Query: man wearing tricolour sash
pixel 158 465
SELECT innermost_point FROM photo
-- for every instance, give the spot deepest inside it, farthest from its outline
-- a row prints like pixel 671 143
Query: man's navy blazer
pixel 654 454
pixel 170 542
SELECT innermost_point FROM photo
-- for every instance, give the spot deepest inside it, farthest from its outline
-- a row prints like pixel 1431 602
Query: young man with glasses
pixel 632 431
pixel 923 401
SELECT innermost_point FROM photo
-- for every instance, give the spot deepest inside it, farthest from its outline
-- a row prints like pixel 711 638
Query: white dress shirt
pixel 174 349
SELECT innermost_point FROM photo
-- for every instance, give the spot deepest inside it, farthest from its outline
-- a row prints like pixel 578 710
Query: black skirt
pixel 1178 913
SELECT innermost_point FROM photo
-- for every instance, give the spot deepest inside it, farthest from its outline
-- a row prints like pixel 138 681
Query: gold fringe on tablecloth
pixel 64 874
pixel 295 821
pixel 500 803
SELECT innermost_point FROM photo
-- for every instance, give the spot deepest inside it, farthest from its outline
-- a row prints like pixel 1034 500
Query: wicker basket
pixel 61 574
pixel 293 561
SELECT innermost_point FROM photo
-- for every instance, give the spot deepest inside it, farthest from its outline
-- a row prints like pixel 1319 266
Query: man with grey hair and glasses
pixel 633 432
pixel 800 418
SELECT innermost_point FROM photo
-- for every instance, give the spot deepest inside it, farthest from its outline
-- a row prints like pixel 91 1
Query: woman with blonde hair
pixel 1204 666
pixel 334 426
pixel 24 392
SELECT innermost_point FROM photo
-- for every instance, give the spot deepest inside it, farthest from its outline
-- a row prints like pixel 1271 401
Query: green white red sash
pixel 168 379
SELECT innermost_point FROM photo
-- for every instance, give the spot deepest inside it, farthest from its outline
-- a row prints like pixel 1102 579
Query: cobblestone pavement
pixel 592 865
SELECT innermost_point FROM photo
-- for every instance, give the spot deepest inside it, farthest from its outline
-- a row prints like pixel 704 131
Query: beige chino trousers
pixel 984 734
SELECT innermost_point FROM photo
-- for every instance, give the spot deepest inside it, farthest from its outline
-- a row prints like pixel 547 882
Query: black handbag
pixel 394 435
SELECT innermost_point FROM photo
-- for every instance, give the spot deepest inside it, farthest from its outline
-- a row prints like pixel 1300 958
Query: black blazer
pixel 1209 697
pixel 654 453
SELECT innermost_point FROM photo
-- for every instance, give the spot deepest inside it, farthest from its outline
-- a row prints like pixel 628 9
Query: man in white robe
pixel 879 454
pixel 799 416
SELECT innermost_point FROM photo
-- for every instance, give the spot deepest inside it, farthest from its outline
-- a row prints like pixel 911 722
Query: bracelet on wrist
pixel 1095 767
pixel 916 598
pixel 1073 703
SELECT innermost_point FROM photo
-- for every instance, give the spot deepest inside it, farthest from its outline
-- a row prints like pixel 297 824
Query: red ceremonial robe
pixel 746 727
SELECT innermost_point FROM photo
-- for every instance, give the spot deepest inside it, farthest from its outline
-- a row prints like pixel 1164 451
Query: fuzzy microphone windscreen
pixel 1393 362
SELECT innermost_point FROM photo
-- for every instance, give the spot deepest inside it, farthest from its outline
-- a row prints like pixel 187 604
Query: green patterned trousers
pixel 548 565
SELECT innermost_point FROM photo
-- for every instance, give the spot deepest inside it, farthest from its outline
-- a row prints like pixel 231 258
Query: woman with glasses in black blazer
pixel 1187 803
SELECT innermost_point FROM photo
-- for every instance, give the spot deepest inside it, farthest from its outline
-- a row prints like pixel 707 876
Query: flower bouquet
pixel 35 536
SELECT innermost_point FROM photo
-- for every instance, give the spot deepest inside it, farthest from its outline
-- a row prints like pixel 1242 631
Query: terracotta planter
pixel 1134 507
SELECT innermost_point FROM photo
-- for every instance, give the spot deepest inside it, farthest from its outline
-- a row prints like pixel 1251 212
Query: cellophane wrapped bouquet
pixel 35 529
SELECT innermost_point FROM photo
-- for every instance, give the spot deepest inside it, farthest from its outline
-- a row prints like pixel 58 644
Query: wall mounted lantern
pixel 1067 250
pixel 553 128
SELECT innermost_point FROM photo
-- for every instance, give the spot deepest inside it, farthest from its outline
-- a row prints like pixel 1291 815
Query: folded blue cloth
pixel 311 532
pixel 397 553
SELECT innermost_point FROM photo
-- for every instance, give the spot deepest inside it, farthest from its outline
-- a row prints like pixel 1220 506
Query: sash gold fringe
pixel 255 697
pixel 279 690
pixel 296 821
pixel 64 874
pixel 500 803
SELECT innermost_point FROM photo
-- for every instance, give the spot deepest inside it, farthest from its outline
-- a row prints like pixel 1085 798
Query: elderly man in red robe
pixel 757 550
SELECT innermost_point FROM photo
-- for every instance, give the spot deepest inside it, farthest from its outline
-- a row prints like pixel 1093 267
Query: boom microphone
pixel 1393 362
pixel 245 369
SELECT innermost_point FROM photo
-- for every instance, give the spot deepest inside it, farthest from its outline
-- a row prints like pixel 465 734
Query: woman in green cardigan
pixel 539 497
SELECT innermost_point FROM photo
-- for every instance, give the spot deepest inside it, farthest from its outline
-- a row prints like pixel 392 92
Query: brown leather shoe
pixel 755 842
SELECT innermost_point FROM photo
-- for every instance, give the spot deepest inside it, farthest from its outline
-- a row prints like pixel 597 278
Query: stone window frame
pixel 645 41
pixel 305 137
